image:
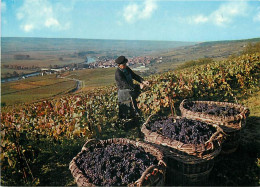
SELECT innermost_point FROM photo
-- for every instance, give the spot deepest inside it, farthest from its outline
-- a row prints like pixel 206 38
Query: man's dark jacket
pixel 121 80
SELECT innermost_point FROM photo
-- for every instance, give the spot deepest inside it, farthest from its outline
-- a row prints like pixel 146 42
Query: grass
pixel 5 71
pixel 45 61
pixel 38 58
pixel 94 78
pixel 33 89
pixel 41 87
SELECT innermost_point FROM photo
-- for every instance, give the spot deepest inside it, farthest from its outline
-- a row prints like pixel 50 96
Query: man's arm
pixel 135 76
pixel 121 81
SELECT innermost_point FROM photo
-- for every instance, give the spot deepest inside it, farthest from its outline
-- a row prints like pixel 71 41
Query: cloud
pixel 223 16
pixel 149 7
pixel 134 12
pixel 197 19
pixel 257 16
pixel 28 27
pixel 228 11
pixel 51 22
pixel 131 12
pixel 200 19
pixel 42 14
pixel 3 6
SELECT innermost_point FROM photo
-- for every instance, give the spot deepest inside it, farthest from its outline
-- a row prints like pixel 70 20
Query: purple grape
pixel 184 130
pixel 114 164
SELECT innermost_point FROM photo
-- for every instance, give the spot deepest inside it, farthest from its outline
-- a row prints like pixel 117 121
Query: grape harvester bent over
pixel 127 90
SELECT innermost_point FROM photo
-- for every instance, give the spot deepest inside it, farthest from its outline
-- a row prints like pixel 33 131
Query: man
pixel 127 90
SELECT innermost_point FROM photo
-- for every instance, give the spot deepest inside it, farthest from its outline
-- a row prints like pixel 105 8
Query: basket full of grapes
pixel 229 116
pixel 187 136
pixel 118 162
pixel 189 145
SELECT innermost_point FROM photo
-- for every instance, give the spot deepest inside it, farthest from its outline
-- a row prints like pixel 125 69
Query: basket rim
pixel 159 168
pixel 191 149
pixel 217 119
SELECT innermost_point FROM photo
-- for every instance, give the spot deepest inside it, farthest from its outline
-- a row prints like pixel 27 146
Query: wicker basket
pixel 228 124
pixel 232 142
pixel 231 125
pixel 175 177
pixel 153 176
pixel 188 159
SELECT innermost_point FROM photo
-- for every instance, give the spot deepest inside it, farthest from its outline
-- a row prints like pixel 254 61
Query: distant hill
pixel 98 46
pixel 216 50
pixel 45 52
pixel 229 42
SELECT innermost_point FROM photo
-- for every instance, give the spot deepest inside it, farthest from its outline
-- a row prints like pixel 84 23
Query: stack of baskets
pixel 231 125
pixel 152 176
pixel 188 164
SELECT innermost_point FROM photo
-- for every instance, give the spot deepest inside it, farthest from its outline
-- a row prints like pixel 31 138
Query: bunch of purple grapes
pixel 211 109
pixel 114 164
pixel 184 130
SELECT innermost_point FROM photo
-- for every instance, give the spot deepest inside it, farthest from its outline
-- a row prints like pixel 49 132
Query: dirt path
pixel 79 83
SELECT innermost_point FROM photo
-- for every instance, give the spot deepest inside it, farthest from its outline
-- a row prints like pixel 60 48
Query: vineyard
pixel 38 140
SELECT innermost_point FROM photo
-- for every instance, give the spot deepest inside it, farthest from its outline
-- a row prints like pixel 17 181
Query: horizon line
pixel 132 40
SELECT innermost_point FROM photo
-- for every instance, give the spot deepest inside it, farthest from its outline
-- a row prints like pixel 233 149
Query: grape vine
pixel 92 113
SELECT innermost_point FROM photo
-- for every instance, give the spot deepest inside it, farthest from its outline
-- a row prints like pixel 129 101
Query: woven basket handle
pixel 162 163
pixel 217 136
pixel 89 142
pixel 182 103
pixel 152 170
pixel 148 119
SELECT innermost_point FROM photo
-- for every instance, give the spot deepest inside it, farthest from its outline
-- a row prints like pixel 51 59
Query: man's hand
pixel 144 83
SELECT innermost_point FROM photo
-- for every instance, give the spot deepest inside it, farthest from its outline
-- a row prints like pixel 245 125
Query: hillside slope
pixel 215 50
pixel 49 133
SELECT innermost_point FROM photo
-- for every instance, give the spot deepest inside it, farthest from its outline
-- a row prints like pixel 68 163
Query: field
pixel 43 60
pixel 34 89
pixel 41 87
pixel 5 71
pixel 94 78
pixel 37 60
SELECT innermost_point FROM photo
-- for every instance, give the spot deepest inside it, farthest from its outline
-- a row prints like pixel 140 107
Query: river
pixel 91 59
pixel 3 80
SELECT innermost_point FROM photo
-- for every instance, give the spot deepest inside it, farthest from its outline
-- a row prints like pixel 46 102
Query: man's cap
pixel 121 60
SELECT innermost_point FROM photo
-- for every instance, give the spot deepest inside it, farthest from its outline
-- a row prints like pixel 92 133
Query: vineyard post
pixel 172 107
pixel 173 111
pixel 21 158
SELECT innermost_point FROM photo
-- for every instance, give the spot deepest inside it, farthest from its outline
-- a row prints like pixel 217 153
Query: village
pixel 133 62
pixel 139 63
pixel 136 63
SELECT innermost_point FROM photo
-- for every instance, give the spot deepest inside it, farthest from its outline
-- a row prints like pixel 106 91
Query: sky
pixel 163 20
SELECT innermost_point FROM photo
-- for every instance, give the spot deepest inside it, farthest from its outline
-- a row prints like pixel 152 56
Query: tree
pixel 15 74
